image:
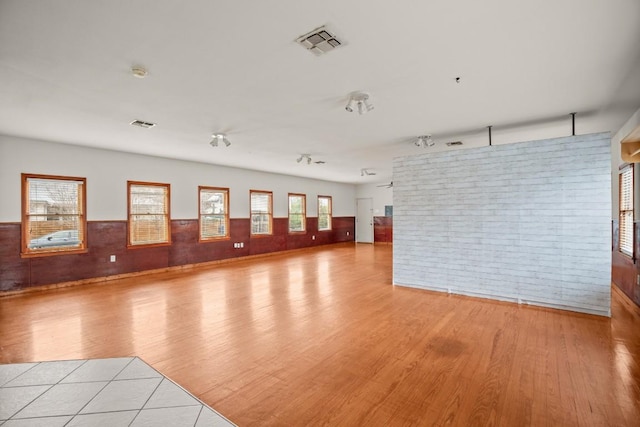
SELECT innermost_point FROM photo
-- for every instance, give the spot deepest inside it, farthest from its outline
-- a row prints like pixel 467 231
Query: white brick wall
pixel 527 222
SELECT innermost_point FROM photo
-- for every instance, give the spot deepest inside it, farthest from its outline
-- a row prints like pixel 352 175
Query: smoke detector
pixel 139 71
pixel 319 41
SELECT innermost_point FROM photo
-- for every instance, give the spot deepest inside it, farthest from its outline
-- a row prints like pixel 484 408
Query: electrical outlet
pixel 347 233
pixel 313 237
pixel 112 258
pixel 638 279
pixel 242 244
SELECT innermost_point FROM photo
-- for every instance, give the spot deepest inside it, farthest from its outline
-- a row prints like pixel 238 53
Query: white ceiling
pixel 234 67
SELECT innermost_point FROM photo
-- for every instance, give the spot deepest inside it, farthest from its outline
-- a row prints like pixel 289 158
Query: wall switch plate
pixel 112 258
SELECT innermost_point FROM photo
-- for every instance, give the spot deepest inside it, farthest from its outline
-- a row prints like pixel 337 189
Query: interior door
pixel 364 220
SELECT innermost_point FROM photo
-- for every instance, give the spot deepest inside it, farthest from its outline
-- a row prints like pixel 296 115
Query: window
pixel 626 210
pixel 261 212
pixel 148 213
pixel 53 214
pixel 213 213
pixel 297 213
pixel 324 213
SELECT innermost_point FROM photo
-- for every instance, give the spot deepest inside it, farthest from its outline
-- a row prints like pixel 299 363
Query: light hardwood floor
pixel 321 337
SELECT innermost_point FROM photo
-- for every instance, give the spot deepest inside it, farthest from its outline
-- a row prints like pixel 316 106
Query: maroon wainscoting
pixel 624 271
pixel 343 229
pixel 14 271
pixel 106 238
pixel 383 229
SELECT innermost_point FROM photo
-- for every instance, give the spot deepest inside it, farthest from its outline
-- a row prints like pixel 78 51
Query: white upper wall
pixel 382 196
pixel 107 173
pixel 616 161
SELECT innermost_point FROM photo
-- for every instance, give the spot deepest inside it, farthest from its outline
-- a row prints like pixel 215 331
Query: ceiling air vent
pixel 319 41
pixel 140 123
pixel 452 143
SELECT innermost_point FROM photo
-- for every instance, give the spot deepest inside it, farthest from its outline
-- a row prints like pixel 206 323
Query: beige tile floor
pixel 98 392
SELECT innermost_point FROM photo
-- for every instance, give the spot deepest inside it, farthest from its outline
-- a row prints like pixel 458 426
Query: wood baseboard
pixel 628 302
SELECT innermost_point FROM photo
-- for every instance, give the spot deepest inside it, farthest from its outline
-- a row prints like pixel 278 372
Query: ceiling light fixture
pixel 218 138
pixel 139 71
pixel 359 101
pixel 424 141
pixel 304 156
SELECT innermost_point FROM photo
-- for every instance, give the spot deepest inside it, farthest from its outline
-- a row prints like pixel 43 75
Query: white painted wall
pixel 525 222
pixel 107 173
pixel 381 196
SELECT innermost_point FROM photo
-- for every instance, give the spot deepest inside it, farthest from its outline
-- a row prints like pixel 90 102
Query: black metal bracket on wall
pixel 573 124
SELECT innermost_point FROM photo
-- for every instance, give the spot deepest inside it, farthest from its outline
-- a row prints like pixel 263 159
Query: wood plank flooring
pixel 321 337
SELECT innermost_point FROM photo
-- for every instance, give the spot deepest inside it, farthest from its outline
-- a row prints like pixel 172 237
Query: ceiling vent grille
pixel 452 143
pixel 319 41
pixel 140 123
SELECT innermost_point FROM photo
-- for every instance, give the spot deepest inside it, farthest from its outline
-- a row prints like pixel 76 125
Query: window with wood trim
pixel 626 210
pixel 148 213
pixel 324 213
pixel 261 212
pixel 53 215
pixel 213 214
pixel 297 213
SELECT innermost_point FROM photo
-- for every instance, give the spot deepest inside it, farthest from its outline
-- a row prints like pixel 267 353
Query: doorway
pixel 364 220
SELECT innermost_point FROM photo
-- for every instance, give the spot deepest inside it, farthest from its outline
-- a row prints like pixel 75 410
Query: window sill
pixel 53 253
pixel 150 245
pixel 214 239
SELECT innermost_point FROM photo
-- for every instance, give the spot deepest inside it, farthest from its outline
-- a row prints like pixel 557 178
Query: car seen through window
pixel 55 239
